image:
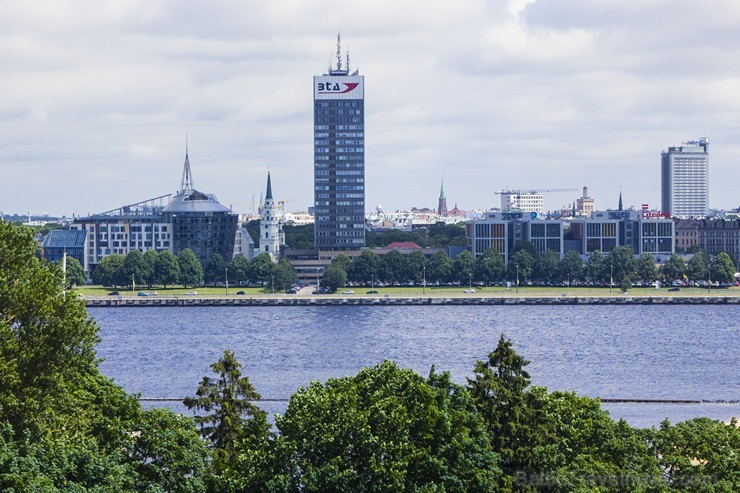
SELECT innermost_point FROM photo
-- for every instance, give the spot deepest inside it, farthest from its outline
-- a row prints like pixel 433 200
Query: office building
pixel 523 201
pixel 642 232
pixel 189 219
pixel 339 158
pixel 685 180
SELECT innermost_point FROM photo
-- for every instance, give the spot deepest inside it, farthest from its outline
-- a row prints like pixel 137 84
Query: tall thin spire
pixel 269 187
pixel 621 206
pixel 442 203
pixel 187 177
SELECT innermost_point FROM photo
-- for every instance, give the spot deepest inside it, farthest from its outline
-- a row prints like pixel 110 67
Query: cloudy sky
pixel 97 96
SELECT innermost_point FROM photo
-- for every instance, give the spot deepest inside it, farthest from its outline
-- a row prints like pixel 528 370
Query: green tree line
pixel 166 269
pixel 66 427
pixel 525 264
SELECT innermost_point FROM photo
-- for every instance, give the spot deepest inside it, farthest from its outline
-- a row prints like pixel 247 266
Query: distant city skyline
pixel 96 99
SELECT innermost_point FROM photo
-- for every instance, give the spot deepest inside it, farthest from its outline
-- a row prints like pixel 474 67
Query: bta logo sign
pixel 336 87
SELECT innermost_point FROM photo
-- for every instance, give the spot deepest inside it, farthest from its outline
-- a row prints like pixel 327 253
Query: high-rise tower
pixel 339 158
pixel 685 179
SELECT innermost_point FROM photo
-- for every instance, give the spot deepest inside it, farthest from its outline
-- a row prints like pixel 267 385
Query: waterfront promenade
pixel 399 299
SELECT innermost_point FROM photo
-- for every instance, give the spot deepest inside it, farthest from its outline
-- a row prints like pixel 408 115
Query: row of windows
pixel 337 112
pixel 339 119
pixel 354 103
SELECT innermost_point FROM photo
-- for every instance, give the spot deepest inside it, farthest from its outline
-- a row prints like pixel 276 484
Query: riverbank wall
pixel 123 302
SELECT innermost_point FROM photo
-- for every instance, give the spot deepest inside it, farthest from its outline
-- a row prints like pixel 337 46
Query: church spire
pixel 269 188
pixel 187 177
pixel 621 207
pixel 442 203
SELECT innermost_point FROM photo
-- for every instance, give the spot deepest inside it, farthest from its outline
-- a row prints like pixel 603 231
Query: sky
pixel 97 98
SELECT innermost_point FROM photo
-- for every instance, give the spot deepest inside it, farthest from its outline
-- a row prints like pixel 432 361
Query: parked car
pixel 113 293
pixel 675 288
pixel 191 293
pixel 240 292
pixel 348 292
pixel 142 293
pixel 372 291
pixel 291 291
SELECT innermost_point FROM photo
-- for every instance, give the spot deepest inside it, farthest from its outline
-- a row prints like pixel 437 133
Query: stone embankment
pixel 408 300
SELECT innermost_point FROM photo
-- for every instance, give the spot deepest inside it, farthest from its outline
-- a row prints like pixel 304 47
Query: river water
pixel 654 352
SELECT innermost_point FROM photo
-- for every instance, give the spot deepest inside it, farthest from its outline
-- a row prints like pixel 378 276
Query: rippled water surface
pixel 656 352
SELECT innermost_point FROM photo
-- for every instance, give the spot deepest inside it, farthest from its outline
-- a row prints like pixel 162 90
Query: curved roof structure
pixel 194 201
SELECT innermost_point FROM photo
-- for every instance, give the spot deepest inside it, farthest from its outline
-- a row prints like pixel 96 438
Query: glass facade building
pixel 339 160
pixel 685 180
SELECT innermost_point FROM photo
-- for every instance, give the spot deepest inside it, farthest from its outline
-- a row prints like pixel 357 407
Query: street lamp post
pixel 226 277
pixel 318 281
pixel 517 278
pixel 424 280
pixel 272 277
pixel 611 276
pixel 470 283
pixel 709 276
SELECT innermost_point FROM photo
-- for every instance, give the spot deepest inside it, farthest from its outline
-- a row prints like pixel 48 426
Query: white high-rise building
pixel 685 179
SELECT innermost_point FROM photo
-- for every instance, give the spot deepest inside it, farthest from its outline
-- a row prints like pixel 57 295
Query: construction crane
pixel 282 203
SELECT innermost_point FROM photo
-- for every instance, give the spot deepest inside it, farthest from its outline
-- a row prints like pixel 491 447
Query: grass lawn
pixel 170 291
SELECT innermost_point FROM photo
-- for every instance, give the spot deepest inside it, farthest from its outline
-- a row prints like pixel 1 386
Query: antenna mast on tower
pixel 339 52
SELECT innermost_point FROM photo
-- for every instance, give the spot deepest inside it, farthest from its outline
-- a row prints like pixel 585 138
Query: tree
pixel 215 270
pixel 646 269
pixel 463 267
pixel 166 268
pixel 63 425
pixel 622 262
pixel 334 277
pixel 596 269
pixel 674 268
pixel 364 268
pixel 166 452
pixel 343 261
pixel 546 266
pixel 571 267
pixel 239 269
pixel 260 268
pixel 696 268
pixel 283 275
pixel 498 391
pixel 722 268
pixel 226 401
pixel 134 268
pixel 521 266
pixel 75 275
pixel 150 266
pixel 392 266
pixel 110 271
pixel 415 266
pixel 699 454
pixel 489 267
pixel 385 429
pixel 191 272
pixel 439 267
